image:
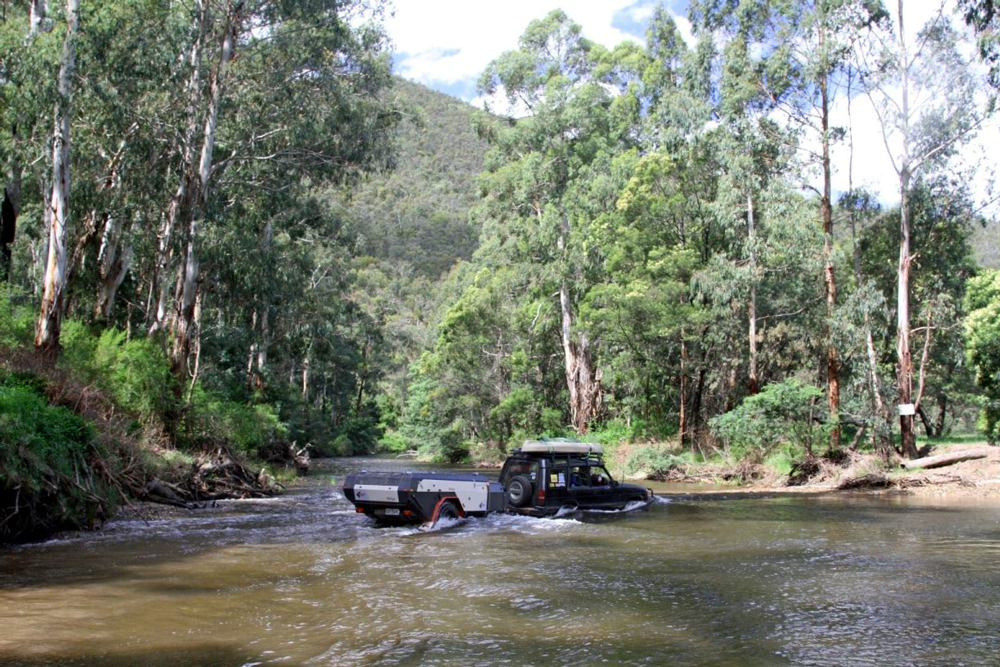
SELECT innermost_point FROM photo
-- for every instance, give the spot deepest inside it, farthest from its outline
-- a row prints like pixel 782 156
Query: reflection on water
pixel 303 580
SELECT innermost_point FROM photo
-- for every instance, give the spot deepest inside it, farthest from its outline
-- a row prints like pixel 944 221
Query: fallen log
pixel 942 460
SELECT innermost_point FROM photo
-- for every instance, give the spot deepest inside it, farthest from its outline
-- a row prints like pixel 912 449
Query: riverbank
pixel 969 478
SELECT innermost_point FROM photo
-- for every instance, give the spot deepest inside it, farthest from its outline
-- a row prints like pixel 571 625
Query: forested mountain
pixel 415 217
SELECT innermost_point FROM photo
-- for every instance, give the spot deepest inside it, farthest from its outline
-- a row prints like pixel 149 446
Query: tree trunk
pixel 942 460
pixel 114 259
pixel 583 382
pixel 752 314
pixel 182 198
pixel 305 379
pixel 57 212
pixel 928 429
pixel 832 365
pixel 942 401
pixel 362 377
pixel 904 368
pixel 682 420
pixel 265 321
pixel 37 11
pixel 188 279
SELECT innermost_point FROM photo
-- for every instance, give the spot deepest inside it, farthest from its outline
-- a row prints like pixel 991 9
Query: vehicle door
pixel 591 486
pixel 556 482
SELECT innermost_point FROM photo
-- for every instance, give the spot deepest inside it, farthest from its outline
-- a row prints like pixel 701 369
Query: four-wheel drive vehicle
pixel 544 477
pixel 541 478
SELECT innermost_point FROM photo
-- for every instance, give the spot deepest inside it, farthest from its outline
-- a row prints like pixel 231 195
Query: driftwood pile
pixel 212 477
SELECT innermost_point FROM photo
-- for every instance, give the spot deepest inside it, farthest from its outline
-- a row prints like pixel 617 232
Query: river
pixel 718 580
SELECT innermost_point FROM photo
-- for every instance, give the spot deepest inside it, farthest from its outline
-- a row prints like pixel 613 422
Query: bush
pixel 134 373
pixel 393 443
pixel 17 325
pixel 781 413
pixel 246 428
pixel 45 455
pixel 653 459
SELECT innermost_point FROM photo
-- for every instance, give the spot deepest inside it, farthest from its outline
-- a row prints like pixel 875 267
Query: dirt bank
pixel 970 478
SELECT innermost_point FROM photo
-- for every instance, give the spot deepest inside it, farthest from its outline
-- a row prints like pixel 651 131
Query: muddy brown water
pixel 691 580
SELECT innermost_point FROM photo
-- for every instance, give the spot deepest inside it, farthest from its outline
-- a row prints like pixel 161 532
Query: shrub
pixel 653 459
pixel 45 454
pixel 781 413
pixel 17 325
pixel 246 428
pixel 136 373
pixel 393 443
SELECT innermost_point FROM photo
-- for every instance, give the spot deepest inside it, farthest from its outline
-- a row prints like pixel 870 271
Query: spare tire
pixel 520 491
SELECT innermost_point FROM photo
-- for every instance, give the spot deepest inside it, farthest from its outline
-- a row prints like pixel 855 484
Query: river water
pixel 691 580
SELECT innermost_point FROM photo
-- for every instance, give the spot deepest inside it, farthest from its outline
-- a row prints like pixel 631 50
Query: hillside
pixel 416 217
pixel 986 245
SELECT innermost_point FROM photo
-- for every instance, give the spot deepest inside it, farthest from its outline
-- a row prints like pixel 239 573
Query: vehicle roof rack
pixel 560 446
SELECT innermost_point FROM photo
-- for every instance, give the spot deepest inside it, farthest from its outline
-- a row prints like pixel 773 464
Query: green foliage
pixel 393 443
pixel 133 372
pixel 45 452
pixel 653 459
pixel 37 437
pixel 982 331
pixel 16 322
pixel 211 418
pixel 782 413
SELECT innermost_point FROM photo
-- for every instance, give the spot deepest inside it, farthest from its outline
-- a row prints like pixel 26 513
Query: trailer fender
pixel 453 501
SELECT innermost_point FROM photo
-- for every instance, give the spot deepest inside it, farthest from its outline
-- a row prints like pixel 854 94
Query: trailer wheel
pixel 519 491
pixel 447 511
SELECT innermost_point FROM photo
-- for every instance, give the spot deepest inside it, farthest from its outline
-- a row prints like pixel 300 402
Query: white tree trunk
pixel 37 11
pixel 188 279
pixel 752 308
pixel 159 287
pixel 905 361
pixel 114 260
pixel 57 213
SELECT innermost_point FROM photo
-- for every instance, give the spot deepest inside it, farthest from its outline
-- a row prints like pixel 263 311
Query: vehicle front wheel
pixel 519 491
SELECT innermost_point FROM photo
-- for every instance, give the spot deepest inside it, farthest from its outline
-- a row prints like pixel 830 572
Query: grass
pixel 950 440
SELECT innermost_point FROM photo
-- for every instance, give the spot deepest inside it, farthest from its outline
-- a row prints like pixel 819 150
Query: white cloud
pixel 442 43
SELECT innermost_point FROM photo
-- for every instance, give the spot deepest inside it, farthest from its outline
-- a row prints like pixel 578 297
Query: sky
pixel 447 44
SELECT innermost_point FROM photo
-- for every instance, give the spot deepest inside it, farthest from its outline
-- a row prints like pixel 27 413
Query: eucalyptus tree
pixel 752 150
pixel 56 216
pixel 796 57
pixel 538 179
pixel 943 219
pixel 290 90
pixel 982 15
pixel 660 232
pixel 926 100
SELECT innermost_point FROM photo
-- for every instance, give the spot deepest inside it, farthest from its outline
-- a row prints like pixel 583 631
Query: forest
pixel 230 237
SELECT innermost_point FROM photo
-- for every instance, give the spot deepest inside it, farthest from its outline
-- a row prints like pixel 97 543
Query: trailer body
pixel 396 498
